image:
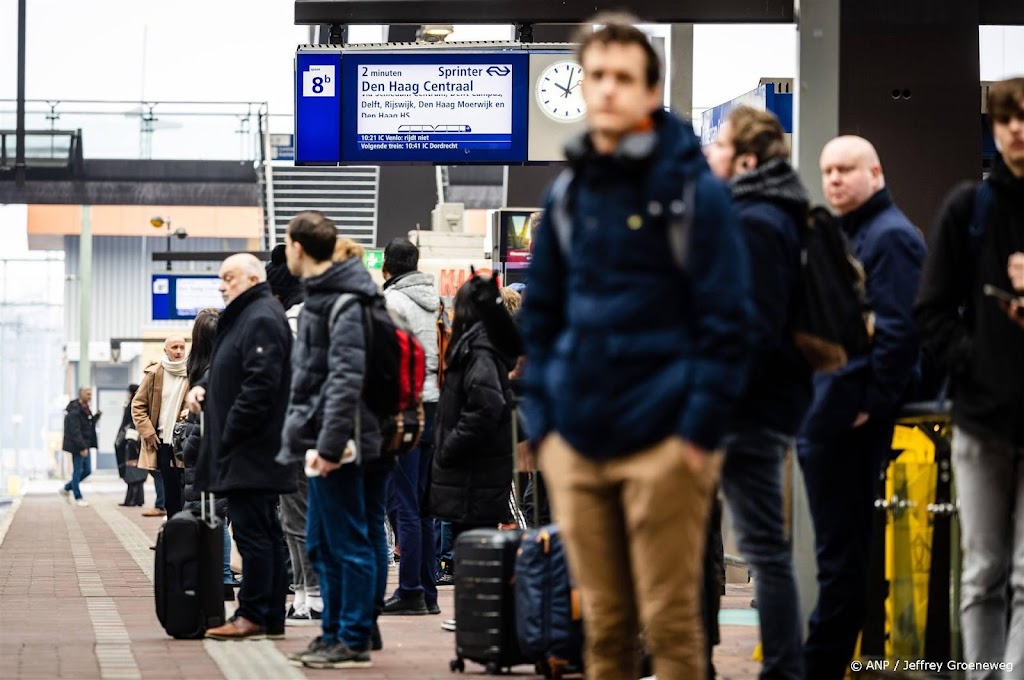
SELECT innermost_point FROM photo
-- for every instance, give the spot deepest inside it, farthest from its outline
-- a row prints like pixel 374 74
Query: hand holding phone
pixel 999 294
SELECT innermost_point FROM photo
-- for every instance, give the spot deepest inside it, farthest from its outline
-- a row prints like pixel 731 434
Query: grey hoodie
pixel 413 297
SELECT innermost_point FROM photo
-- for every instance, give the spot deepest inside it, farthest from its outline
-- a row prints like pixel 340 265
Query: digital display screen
pixel 515 230
pixel 178 298
pixel 445 107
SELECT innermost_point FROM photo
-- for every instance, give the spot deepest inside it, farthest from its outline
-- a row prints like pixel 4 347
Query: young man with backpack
pixel 751 153
pixel 978 246
pixel 413 297
pixel 331 428
pixel 637 327
pixel 847 434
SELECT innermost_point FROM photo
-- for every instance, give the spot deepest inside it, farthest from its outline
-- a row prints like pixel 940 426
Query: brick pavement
pixel 46 630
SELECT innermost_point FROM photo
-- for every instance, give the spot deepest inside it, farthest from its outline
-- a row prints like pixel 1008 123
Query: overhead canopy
pixel 537 11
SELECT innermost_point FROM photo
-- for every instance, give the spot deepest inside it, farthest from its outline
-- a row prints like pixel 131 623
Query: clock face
pixel 559 92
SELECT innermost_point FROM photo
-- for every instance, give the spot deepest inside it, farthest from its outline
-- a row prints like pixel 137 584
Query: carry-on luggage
pixel 549 621
pixel 485 600
pixel 188 573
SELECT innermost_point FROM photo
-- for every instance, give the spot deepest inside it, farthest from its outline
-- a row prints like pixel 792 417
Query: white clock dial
pixel 559 92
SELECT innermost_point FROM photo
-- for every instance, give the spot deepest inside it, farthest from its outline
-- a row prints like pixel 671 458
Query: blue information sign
pixel 317 107
pixel 180 297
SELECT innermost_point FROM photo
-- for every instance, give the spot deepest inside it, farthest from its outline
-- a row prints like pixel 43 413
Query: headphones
pixel 635 149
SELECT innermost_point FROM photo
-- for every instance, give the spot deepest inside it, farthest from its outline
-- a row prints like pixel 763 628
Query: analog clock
pixel 559 92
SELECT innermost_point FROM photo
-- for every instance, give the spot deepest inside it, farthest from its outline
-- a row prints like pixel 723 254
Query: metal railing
pixel 43 148
pixel 149 130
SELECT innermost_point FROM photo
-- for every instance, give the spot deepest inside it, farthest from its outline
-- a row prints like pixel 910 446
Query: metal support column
pixel 680 62
pixel 815 122
pixel 84 297
pixel 19 158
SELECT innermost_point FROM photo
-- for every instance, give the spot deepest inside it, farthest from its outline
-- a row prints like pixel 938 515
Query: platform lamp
pixel 433 33
pixel 158 222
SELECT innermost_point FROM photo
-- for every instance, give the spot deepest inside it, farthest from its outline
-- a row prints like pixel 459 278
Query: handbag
pixel 133 474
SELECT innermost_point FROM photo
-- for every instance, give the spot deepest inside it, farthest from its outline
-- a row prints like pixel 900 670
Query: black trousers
pixel 257 532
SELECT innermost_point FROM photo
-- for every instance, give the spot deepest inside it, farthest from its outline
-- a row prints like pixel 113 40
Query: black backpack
pixel 830 321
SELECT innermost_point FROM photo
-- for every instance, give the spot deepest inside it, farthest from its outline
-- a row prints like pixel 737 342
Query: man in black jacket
pixel 751 153
pixel 978 242
pixel 848 430
pixel 79 437
pixel 244 399
pixel 330 425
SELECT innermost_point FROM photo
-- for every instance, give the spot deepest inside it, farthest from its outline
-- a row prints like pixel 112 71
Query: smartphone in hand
pixel 999 294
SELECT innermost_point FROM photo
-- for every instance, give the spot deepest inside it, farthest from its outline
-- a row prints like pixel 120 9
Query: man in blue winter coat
pixel 751 152
pixel 636 357
pixel 330 422
pixel 848 432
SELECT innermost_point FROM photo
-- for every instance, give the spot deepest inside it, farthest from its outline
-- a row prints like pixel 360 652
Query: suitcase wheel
pixel 493 668
pixel 457 666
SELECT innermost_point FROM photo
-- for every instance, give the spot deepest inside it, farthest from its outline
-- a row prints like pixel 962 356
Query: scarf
pixel 174 389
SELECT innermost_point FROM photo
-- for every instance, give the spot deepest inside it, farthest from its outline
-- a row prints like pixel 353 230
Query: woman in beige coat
pixel 157 406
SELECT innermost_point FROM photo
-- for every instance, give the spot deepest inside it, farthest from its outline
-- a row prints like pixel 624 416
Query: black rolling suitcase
pixel 188 573
pixel 485 614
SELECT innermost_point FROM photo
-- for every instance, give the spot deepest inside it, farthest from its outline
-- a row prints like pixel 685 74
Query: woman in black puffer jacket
pixel 472 470
pixel 204 333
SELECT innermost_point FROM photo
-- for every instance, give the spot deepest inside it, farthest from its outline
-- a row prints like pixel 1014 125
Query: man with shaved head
pixel 244 399
pixel 159 404
pixel 847 434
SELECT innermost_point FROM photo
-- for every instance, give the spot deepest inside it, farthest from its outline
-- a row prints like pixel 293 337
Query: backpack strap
pixel 682 213
pixel 979 217
pixel 681 224
pixel 561 220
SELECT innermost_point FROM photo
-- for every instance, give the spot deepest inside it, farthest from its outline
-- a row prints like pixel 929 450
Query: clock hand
pixel 561 88
pixel 567 89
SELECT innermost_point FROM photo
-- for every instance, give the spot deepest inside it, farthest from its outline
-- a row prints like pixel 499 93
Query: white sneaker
pixel 448 625
pixel 82 503
pixel 299 617
pixel 65 493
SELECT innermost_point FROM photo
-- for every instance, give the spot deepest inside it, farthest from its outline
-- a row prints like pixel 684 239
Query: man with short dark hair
pixel 634 364
pixel 330 426
pixel 751 153
pixel 79 437
pixel 978 241
pixel 412 296
pixel 847 434
pixel 244 399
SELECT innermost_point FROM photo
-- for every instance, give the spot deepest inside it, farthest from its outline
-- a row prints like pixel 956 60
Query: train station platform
pixel 76 601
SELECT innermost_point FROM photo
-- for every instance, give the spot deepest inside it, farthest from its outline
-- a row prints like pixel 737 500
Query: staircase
pixel 347 195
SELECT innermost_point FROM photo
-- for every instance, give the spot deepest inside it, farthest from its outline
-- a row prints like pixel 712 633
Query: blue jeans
pixel 228 576
pixel 752 481
pixel 841 474
pixel 376 508
pixel 414 532
pixel 158 482
pixel 81 468
pixel 338 543
pixel 257 530
pixel 444 545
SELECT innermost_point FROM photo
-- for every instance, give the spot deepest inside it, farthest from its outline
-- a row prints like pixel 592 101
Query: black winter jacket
pixel 245 398
pixel 773 207
pixel 79 428
pixel 329 371
pixel 190 456
pixel 983 348
pixel 471 474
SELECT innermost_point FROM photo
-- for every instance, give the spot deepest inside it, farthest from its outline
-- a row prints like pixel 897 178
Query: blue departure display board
pixel 444 107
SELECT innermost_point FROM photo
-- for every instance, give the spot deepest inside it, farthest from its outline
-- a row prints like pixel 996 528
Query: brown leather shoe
pixel 238 628
pixel 155 512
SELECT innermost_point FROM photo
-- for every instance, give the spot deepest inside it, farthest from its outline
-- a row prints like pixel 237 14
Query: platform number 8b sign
pixel 318 81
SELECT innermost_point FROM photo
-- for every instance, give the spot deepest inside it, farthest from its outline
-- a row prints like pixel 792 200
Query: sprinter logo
pixel 318 81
